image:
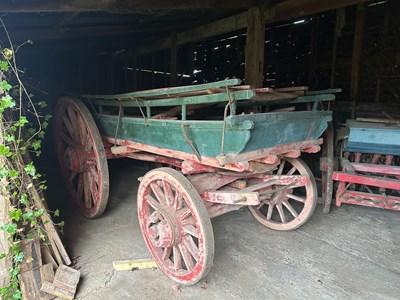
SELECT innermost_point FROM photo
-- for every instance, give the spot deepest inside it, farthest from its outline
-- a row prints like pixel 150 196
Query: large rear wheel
pixel 81 156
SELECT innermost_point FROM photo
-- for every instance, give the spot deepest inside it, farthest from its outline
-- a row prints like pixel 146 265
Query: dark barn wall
pixel 297 52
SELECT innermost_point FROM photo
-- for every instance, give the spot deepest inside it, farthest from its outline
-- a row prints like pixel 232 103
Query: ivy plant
pixel 23 129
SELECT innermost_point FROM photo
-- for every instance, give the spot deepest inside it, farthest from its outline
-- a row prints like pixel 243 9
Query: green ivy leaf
pixel 17 294
pixel 4 150
pixel 36 145
pixel 30 169
pixel 2 255
pixel 4 65
pixel 39 213
pixel 28 215
pixel 16 214
pixel 42 104
pixel 22 121
pixel 5 85
pixel 57 213
pixel 24 199
pixel 7 102
pixel 10 228
pixel 19 257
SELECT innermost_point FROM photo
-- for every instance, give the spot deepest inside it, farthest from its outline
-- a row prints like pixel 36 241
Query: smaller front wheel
pixel 175 225
pixel 287 207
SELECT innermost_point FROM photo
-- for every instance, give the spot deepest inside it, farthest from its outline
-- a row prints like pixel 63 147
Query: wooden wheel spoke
pixel 70 128
pixel 184 213
pixel 178 201
pixel 93 187
pixel 270 211
pixel 291 171
pixel 166 253
pixel 67 139
pixel 190 229
pixel 177 258
pixel 169 196
pixel 83 131
pixel 187 258
pixel 87 191
pixel 192 247
pixel 73 117
pixel 79 190
pixel 281 213
pixel 297 198
pixel 94 174
pixel 153 202
pixel 291 209
pixel 72 176
pixel 188 221
pixel 158 192
pixel 281 166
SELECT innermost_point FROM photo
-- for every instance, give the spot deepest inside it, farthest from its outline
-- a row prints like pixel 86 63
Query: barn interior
pixel 111 47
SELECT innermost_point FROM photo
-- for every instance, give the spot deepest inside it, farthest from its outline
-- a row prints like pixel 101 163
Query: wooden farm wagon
pixel 219 159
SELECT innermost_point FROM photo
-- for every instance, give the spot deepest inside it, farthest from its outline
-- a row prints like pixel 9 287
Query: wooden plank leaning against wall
pixel 6 262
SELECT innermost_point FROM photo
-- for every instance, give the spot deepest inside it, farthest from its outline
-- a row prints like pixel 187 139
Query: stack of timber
pixel 40 261
pixel 37 279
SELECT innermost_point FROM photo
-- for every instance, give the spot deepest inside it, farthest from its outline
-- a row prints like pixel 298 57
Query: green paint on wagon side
pixel 244 133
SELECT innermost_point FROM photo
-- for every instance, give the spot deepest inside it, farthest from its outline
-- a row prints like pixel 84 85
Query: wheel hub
pixel 162 229
pixel 74 159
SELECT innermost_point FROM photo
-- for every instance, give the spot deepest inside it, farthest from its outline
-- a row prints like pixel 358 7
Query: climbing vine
pixel 22 131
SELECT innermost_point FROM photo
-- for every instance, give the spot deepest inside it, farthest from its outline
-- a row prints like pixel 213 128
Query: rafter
pixel 120 6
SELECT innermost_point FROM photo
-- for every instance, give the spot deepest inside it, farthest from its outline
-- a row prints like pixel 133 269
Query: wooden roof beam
pixel 120 6
pixel 286 10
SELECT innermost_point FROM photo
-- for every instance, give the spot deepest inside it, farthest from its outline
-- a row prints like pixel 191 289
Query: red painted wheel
pixel 290 206
pixel 175 225
pixel 81 156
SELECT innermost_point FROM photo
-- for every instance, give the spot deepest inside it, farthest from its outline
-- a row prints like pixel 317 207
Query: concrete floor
pixel 351 253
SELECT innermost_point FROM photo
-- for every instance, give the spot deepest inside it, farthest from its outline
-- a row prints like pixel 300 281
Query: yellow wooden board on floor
pixel 137 264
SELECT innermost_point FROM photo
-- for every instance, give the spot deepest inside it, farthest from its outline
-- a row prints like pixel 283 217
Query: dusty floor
pixel 351 253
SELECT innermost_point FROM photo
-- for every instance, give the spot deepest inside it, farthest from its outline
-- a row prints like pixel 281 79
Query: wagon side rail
pixel 258 161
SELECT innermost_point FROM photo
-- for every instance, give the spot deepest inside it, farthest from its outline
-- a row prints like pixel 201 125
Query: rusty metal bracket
pixel 189 141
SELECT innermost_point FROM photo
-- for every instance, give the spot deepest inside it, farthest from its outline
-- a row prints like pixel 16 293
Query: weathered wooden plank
pixel 167 91
pixel 121 6
pixel 173 63
pixel 50 289
pixel 52 234
pixel 356 58
pixel 226 25
pixel 32 255
pixel 31 282
pixel 47 257
pixel 137 264
pixel 254 52
pixel 212 98
pixel 294 100
pixel 66 278
pixel 6 262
